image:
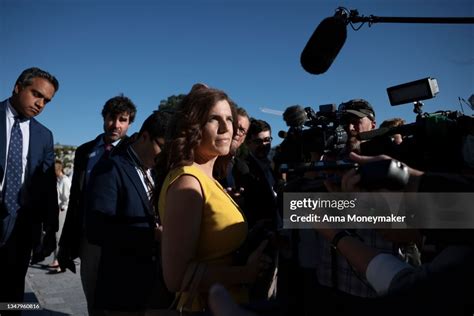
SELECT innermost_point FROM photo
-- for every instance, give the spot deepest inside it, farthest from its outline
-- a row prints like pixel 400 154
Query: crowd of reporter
pixel 217 203
pixel 186 215
pixel 368 271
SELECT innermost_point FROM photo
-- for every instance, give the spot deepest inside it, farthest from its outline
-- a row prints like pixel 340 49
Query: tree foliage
pixel 171 103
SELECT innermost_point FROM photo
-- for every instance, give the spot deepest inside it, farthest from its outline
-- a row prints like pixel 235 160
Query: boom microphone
pixel 324 45
pixel 282 134
pixel 295 116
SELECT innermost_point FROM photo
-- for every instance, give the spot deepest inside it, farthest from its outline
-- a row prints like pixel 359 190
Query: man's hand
pixel 351 179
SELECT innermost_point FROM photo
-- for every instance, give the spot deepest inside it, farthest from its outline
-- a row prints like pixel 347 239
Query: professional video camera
pixel 435 141
pixel 310 135
pixel 309 132
pixel 439 141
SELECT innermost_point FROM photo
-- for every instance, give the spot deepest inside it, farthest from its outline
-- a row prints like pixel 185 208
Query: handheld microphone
pixel 324 45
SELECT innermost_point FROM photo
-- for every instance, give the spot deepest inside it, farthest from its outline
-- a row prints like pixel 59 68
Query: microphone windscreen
pixel 282 134
pixel 324 45
pixel 295 116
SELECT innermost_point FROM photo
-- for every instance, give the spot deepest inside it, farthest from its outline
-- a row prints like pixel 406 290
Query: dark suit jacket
pixel 239 171
pixel 73 230
pixel 73 226
pixel 120 219
pixel 38 202
pixel 260 201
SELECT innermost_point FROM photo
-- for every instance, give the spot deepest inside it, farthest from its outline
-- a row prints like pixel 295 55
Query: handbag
pixel 192 279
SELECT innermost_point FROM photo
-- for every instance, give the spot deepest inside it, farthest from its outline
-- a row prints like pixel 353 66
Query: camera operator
pixel 359 116
pixel 444 284
pixel 333 270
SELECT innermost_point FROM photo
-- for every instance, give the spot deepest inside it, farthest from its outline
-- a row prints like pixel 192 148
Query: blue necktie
pixel 12 183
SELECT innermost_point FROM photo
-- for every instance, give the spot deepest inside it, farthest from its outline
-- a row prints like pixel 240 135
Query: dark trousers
pixel 14 259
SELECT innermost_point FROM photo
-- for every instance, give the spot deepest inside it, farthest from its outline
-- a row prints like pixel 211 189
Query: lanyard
pixel 148 182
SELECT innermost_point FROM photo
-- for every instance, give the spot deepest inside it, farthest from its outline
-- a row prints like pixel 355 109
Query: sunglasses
pixel 260 141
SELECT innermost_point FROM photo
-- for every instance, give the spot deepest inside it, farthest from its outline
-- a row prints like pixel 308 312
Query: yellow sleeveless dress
pixel 223 228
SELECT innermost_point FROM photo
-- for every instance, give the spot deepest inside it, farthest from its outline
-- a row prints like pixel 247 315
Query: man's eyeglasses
pixel 261 141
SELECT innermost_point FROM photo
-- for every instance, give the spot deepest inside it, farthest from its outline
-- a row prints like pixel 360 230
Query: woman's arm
pixel 181 229
pixel 181 225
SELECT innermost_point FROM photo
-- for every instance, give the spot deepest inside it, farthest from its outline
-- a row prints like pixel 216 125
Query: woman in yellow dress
pixel 201 223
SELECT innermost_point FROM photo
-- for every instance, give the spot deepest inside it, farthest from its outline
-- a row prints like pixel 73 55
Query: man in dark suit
pixel 122 220
pixel 28 189
pixel 118 113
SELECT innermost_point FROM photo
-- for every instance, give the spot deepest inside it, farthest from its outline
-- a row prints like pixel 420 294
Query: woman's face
pixel 217 133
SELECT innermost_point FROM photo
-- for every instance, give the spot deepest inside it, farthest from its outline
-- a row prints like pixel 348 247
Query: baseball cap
pixel 358 107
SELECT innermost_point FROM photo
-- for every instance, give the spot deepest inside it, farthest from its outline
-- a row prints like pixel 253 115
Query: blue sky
pixel 150 50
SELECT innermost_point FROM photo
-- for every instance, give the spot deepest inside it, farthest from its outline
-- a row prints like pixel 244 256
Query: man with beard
pixel 118 113
pixel 358 116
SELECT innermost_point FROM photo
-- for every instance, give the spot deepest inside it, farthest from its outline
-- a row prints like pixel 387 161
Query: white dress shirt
pixel 25 130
